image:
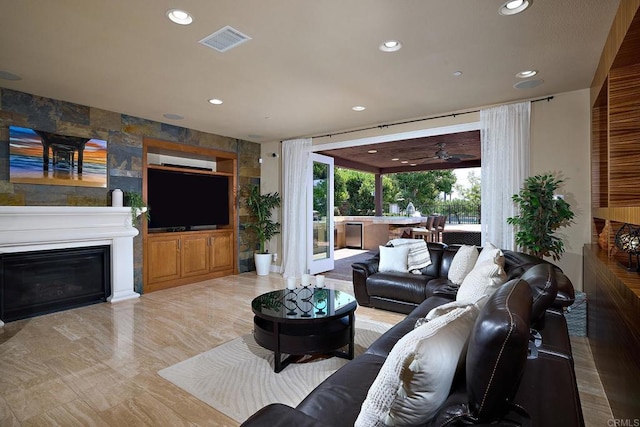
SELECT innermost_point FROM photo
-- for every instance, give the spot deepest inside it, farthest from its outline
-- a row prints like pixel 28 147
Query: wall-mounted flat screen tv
pixel 186 200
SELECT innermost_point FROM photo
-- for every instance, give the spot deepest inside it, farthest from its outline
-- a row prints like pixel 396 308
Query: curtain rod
pixel 329 135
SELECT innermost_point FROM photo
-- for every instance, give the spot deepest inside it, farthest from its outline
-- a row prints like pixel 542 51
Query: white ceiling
pixel 308 61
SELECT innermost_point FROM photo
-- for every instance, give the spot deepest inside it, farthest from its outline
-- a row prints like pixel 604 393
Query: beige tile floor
pixel 97 365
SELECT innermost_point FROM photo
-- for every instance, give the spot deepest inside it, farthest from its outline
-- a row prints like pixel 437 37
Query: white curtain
pixel 504 136
pixel 295 160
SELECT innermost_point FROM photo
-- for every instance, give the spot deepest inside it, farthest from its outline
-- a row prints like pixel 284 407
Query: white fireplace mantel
pixel 37 228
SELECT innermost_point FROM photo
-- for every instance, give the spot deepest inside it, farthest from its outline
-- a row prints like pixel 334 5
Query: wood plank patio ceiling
pixel 419 152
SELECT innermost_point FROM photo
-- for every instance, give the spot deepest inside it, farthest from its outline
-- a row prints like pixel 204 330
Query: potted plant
pixel 261 207
pixel 138 206
pixel 541 213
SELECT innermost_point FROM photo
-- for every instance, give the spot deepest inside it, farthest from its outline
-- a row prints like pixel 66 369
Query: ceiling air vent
pixel 225 39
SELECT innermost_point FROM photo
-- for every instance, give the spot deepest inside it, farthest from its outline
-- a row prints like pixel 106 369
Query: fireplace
pixel 33 283
pixel 40 232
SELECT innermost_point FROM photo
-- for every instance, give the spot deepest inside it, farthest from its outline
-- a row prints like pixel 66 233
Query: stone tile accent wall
pixel 249 170
pixel 124 135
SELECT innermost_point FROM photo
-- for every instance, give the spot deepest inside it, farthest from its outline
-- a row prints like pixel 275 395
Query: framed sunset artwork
pixel 38 157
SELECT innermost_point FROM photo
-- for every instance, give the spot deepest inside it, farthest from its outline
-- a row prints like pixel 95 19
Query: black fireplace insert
pixel 35 283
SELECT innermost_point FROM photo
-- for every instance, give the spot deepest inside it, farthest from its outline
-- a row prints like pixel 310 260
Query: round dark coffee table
pixel 304 321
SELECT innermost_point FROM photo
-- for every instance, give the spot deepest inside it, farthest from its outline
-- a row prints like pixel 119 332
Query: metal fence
pixel 456 211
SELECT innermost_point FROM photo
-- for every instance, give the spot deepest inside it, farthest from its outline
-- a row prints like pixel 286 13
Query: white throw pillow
pixel 393 259
pixel 419 256
pixel 462 263
pixel 483 280
pixel 443 309
pixel 416 377
pixel 491 252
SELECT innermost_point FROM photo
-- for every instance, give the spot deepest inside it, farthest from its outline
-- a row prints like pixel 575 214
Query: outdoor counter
pixel 377 230
pixel 393 220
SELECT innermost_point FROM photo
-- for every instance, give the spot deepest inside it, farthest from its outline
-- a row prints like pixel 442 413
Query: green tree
pixel 361 199
pixel 354 190
pixel 320 186
pixel 445 180
pixel 389 191
pixel 340 194
pixel 423 188
pixel 472 194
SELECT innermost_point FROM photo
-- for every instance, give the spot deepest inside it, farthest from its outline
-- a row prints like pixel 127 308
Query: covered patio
pixel 457 150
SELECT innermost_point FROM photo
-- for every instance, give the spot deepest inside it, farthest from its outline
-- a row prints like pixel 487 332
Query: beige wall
pixel 408 127
pixel 270 181
pixel 560 135
pixel 559 143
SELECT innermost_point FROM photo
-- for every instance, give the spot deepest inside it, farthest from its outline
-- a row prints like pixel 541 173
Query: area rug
pixel 237 378
pixel 576 315
pixel 344 257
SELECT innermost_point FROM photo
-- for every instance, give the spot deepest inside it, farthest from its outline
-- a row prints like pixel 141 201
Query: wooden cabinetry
pixel 221 256
pixel 615 126
pixel 162 259
pixel 182 257
pixel 194 259
pixel 615 131
pixel 175 259
pixel 613 292
pixel 614 329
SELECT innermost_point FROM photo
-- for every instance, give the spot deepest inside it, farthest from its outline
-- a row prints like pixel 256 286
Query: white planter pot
pixel 263 264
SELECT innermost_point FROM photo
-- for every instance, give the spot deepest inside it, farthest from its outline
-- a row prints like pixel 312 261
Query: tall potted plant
pixel 541 213
pixel 261 225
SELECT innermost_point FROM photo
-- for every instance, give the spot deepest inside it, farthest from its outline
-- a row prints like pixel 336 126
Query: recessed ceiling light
pixel 404 162
pixel 390 46
pixel 457 73
pixel 513 7
pixel 358 108
pixel 172 116
pixel 372 151
pixel 180 17
pixel 215 101
pixel 413 164
pixel 526 74
pixel 513 4
pixel 395 159
pixel 6 75
pixel 528 84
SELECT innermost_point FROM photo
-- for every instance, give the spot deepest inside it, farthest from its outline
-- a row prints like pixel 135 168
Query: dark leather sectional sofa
pixel 519 366
pixel 403 292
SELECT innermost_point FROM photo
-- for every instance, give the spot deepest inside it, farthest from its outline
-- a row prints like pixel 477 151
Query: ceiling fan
pixel 442 154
